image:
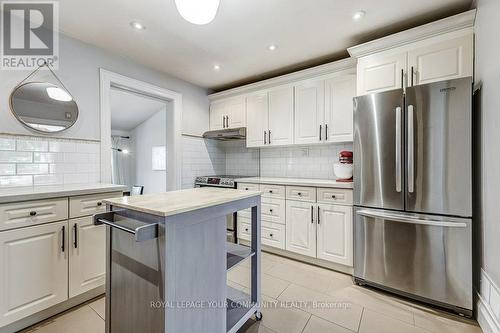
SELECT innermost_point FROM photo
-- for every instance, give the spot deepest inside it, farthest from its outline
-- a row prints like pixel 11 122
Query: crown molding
pixel 330 68
pixel 449 24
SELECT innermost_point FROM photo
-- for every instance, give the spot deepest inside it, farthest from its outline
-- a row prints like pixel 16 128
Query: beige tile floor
pixel 293 293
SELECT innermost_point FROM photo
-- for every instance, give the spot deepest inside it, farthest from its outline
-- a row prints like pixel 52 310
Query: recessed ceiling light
pixel 216 67
pixel 137 25
pixel 358 15
pixel 198 11
pixel 272 47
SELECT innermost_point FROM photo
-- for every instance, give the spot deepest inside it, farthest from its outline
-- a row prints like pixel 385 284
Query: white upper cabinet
pixel 217 114
pixel 257 119
pixel 309 111
pixel 339 94
pixel 229 113
pixel 381 72
pixel 280 131
pixel 449 59
pixel 437 51
pixel 334 234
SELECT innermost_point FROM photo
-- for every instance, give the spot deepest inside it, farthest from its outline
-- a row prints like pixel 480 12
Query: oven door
pixel 427 257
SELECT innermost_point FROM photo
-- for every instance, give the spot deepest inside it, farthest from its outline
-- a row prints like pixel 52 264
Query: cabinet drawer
pixel 272 191
pixel 247 186
pixel 272 210
pixel 271 234
pixel 301 193
pixel 27 213
pixel 85 205
pixel 335 195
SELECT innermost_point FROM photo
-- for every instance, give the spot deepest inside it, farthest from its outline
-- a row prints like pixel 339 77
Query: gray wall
pixel 152 132
pixel 79 71
pixel 488 75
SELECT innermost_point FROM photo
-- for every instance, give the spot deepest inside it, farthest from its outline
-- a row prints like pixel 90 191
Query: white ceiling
pixel 129 110
pixel 306 32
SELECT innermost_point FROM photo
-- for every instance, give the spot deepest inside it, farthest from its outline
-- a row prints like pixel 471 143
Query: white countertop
pixel 296 182
pixel 14 194
pixel 176 202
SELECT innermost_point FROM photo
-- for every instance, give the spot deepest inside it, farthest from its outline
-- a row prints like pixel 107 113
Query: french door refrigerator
pixel 413 192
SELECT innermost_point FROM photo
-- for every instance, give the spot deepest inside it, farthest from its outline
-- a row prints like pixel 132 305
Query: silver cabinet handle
pixel 142 233
pixel 411 150
pixel 409 219
pixel 398 149
pixel 320 132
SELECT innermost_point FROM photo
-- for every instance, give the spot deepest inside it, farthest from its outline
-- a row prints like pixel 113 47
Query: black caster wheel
pixel 258 316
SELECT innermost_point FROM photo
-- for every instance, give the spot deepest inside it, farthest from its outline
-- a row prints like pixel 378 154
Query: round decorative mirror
pixel 43 107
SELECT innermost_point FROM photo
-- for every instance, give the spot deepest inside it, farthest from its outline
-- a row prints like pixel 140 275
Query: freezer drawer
pixel 421 256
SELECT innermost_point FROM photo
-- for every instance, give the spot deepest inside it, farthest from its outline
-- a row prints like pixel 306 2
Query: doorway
pixel 140 134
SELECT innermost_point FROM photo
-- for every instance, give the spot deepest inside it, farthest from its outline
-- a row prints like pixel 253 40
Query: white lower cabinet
pixel 34 270
pixel 334 234
pixel 300 228
pixel 87 262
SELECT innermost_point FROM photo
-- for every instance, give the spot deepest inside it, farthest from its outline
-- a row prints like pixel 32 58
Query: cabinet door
pixel 236 112
pixel 445 60
pixel 257 121
pixel 87 262
pixel 300 228
pixel 381 72
pixel 34 270
pixel 339 93
pixel 281 116
pixel 335 240
pixel 309 111
pixel 217 113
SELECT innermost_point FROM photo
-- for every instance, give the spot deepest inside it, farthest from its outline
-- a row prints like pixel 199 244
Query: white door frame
pixel 174 123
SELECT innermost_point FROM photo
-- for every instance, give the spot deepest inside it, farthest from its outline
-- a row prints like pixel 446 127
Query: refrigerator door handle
pixel 398 149
pixel 411 150
pixel 409 219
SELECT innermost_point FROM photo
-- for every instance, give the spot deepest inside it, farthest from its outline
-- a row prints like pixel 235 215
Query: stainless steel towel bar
pixel 141 233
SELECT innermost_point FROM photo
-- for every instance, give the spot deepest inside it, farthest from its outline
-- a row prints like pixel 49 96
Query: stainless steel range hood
pixel 227 134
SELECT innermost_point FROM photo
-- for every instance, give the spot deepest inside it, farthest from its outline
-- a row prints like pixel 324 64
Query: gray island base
pixel 167 262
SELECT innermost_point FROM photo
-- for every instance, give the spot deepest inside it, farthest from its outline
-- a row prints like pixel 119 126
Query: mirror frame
pixel 11 106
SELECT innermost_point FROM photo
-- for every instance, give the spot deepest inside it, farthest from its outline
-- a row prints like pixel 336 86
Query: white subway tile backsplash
pixel 26 161
pixel 62 146
pixel 7 144
pixel 7 169
pixel 48 179
pixel 32 145
pixel 14 181
pixel 32 169
pixel 48 157
pixel 15 157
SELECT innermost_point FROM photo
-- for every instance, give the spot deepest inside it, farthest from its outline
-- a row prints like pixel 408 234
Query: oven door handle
pixel 142 233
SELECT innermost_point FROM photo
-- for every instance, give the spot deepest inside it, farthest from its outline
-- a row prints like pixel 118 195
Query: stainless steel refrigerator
pixel 413 192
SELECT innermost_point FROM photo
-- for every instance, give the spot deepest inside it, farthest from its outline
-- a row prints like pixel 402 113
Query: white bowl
pixel 342 170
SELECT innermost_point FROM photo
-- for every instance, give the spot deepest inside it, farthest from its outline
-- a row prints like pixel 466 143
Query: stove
pixel 223 182
pixel 217 181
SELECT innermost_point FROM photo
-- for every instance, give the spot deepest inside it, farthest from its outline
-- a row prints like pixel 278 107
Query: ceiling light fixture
pixel 198 11
pixel 358 15
pixel 272 47
pixel 137 25
pixel 58 94
pixel 216 67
